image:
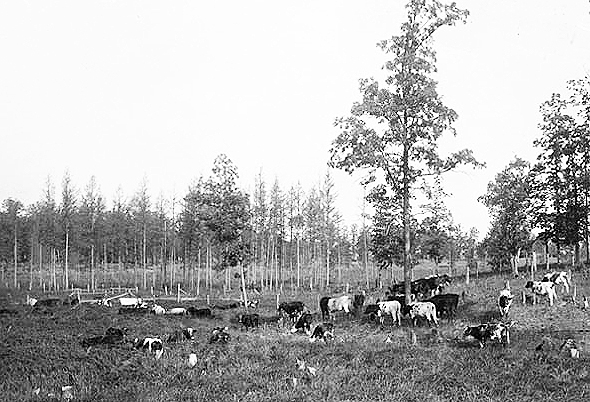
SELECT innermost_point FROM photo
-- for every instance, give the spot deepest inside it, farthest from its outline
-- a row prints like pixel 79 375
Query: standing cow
pixel 392 308
pixel 425 310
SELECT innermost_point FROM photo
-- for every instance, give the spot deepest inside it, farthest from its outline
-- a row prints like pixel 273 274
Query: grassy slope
pixel 43 350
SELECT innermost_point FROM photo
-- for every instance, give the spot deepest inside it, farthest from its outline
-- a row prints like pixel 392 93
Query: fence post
pixel 178 294
pixel 208 301
pixel 278 295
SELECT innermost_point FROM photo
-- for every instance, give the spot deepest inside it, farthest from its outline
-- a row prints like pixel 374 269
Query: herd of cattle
pixel 428 303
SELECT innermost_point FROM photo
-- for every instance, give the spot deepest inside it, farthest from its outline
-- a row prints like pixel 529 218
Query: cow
pixel 542 289
pixel 219 334
pixel 324 307
pixel 423 287
pixel 51 302
pixel 250 303
pixel 559 278
pixel 120 332
pixel 489 332
pixel 393 308
pixel 505 300
pixel 341 303
pixel 291 309
pixel 177 311
pixel 133 310
pixel 358 301
pixel 303 323
pixel 249 320
pixel 157 309
pixel 446 304
pixel 227 306
pixel 112 336
pixel 181 335
pixel 372 310
pixel 323 332
pixel 426 310
pixel 199 312
pixel 131 302
pixel 152 345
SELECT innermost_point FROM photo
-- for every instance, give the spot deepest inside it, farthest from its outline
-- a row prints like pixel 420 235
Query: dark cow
pixel 423 287
pixel 152 345
pixel 358 301
pixel 199 312
pixel 227 306
pixel 249 320
pixel 324 307
pixel 489 332
pixel 303 323
pixel 48 303
pixel 323 332
pixel 120 332
pixel 181 335
pixel 291 309
pixel 371 310
pixel 219 335
pixel 446 304
pixel 112 336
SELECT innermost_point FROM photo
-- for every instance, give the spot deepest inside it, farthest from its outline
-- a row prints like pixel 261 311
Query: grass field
pixel 41 351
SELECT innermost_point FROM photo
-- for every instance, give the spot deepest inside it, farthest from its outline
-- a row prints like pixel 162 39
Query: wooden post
pixel 208 301
pixel 178 294
pixel 278 296
pixel 347 287
pixel 523 298
pixel 467 273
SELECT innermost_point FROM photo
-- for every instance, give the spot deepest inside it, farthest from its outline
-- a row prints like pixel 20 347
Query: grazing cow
pixel 131 302
pixel 322 332
pixel 426 310
pixel 219 334
pixel 133 310
pixel 341 303
pixel 181 335
pixel 303 323
pixel 558 278
pixel 249 320
pixel 154 345
pixel 489 332
pixel 177 311
pixel 199 312
pixel 358 301
pixel 291 309
pixel 505 301
pixel 158 310
pixel 446 304
pixel 372 310
pixel 393 308
pixel 542 289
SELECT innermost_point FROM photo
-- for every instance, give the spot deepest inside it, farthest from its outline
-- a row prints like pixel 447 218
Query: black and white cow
pixel 323 332
pixel 291 309
pixel 505 301
pixel 219 335
pixel 392 308
pixel 543 289
pixel 181 335
pixel 559 278
pixel 498 332
pixel 424 310
pixel 446 304
pixel 303 323
pixel 152 345
pixel 249 320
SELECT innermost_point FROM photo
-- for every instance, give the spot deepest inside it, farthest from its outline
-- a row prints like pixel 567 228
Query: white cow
pixel 559 278
pixel 131 302
pixel 542 289
pixel 342 303
pixel 177 311
pixel 393 308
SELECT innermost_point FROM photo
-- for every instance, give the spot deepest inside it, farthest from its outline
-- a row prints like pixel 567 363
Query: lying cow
pixel 393 308
pixel 446 304
pixel 152 345
pixel 199 312
pixel 158 310
pixel 134 310
pixel 291 309
pixel 489 332
pixel 322 332
pixel 112 336
pixel 505 301
pixel 181 335
pixel 219 334
pixel 558 278
pixel 303 323
pixel 542 289
pixel 177 311
pixel 249 320
pixel 227 306
pixel 425 310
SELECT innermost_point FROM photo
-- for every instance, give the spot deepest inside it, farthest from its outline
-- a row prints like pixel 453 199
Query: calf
pixel 559 278
pixel 393 308
pixel 181 335
pixel 323 332
pixel 542 289
pixel 199 312
pixel 291 309
pixel 505 301
pixel 219 334
pixel 303 323
pixel 152 345
pixel 426 310
pixel 249 320
pixel 489 332
pixel 446 304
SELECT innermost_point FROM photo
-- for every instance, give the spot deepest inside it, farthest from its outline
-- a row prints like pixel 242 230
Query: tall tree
pixel 68 210
pixel 393 131
pixel 12 210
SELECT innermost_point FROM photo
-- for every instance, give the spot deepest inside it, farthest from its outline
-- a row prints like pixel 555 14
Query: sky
pixel 155 89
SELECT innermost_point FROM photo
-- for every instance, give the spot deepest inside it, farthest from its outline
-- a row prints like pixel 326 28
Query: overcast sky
pixel 134 89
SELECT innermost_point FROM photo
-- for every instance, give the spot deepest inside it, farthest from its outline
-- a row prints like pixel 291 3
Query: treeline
pixel 544 206
pixel 278 238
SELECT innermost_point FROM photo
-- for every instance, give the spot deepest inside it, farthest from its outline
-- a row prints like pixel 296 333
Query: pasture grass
pixel 41 350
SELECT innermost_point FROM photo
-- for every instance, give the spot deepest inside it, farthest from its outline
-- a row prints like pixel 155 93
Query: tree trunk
pixel 406 223
pixel 66 282
pixel 15 256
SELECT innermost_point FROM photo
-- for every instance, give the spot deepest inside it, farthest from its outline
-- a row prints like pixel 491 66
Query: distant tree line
pixel 544 206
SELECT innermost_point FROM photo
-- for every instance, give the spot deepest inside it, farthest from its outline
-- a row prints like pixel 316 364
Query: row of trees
pixel 547 201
